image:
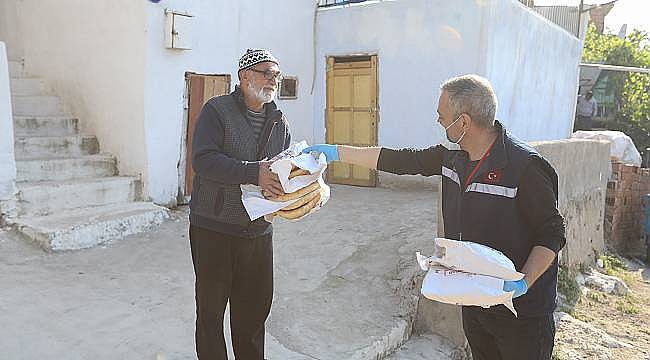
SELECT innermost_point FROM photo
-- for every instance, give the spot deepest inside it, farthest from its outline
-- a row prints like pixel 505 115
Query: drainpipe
pixel 7 157
pixel 582 3
pixel 313 44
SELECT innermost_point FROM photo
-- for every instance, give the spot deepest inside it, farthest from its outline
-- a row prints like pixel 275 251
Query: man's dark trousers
pixel 498 337
pixel 236 269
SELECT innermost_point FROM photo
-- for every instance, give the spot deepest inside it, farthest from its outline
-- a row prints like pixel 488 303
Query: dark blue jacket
pixel 489 208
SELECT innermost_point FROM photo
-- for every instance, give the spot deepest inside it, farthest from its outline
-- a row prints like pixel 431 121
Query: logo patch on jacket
pixel 492 177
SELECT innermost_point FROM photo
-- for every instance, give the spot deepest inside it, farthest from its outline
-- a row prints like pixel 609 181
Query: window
pixel 289 88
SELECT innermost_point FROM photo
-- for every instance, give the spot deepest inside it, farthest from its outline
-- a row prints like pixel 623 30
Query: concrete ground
pixel 343 286
pixel 426 347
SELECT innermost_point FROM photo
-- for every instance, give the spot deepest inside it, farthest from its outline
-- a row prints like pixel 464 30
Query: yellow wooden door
pixel 352 113
pixel 201 89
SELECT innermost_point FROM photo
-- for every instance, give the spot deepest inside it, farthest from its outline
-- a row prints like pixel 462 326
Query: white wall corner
pixel 7 158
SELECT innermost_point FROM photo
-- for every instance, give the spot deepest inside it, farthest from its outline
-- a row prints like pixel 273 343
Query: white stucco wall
pixel 92 55
pixel 533 66
pixel 10 28
pixel 222 30
pixel 108 62
pixel 7 161
pixel 420 43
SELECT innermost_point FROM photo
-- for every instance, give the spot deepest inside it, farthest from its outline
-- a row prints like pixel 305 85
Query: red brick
pixel 630 169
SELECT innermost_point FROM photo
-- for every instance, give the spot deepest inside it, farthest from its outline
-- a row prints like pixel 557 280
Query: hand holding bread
pixel 305 198
pixel 269 181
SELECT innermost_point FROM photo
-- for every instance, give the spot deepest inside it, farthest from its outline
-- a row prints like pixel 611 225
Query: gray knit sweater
pixel 225 154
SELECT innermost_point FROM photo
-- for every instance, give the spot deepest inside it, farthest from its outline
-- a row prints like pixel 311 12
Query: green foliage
pixel 631 91
pixel 628 305
pixel 613 264
pixel 597 296
pixel 568 286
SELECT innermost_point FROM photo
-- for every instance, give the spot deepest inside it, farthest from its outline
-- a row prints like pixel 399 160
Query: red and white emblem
pixel 493 176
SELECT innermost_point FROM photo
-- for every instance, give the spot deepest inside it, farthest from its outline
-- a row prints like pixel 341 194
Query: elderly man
pixel 497 191
pixel 232 255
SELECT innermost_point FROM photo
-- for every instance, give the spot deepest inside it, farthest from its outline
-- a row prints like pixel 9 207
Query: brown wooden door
pixel 201 88
pixel 352 113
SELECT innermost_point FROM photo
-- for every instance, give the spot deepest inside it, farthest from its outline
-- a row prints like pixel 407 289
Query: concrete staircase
pixel 70 195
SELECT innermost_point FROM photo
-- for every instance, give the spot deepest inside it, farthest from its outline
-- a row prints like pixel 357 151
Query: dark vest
pixel 220 203
pixel 487 212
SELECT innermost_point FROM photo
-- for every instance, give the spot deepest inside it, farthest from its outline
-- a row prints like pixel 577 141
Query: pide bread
pixel 303 200
pixel 298 172
pixel 301 211
pixel 295 171
pixel 295 195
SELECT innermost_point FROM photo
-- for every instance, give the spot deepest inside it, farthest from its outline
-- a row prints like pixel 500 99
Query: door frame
pixel 183 197
pixel 374 57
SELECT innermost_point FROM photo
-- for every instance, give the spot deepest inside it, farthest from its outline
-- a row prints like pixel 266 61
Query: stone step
pixel 28 86
pixel 55 146
pixel 57 169
pixel 16 69
pixel 45 126
pixel 47 197
pixel 36 105
pixel 87 227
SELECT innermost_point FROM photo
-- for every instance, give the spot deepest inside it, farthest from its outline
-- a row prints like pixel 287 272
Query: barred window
pixel 289 88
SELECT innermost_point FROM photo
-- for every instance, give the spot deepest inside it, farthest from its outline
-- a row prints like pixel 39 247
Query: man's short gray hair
pixel 472 95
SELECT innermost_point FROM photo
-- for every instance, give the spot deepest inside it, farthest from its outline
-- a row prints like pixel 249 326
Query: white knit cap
pixel 256 56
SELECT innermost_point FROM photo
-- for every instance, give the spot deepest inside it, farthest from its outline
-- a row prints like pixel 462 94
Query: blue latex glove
pixel 331 151
pixel 520 287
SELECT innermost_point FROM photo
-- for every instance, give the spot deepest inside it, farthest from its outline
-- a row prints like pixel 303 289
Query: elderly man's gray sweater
pixel 225 154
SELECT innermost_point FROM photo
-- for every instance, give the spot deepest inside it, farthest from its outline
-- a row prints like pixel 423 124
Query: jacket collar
pixel 498 157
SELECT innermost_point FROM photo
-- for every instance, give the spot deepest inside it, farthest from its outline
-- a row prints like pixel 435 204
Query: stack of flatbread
pixel 304 199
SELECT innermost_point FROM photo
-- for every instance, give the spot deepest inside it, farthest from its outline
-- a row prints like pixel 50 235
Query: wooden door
pixel 201 88
pixel 352 113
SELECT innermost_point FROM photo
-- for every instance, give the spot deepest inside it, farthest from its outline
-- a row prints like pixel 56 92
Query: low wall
pixel 583 168
pixel 625 212
pixel 7 159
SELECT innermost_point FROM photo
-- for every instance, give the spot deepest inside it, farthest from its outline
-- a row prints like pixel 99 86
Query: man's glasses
pixel 268 74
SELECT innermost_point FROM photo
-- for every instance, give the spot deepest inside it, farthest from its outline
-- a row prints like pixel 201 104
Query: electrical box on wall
pixel 178 30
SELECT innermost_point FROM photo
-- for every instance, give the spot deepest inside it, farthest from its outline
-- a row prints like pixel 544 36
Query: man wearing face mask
pixel 232 255
pixel 497 191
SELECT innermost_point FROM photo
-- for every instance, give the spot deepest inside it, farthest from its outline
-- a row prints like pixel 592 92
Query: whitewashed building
pixel 363 73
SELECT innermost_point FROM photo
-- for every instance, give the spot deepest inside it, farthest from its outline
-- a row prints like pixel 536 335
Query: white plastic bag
pixel 257 205
pixel 473 258
pixel 622 147
pixel 467 273
pixel 461 288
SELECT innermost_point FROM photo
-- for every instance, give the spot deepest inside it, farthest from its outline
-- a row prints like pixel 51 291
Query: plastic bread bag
pixel 473 258
pixel 467 289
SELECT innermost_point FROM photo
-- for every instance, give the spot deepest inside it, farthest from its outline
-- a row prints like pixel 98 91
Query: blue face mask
pixel 447 132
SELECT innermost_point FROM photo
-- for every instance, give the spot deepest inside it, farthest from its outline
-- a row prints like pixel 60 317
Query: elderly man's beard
pixel 261 94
